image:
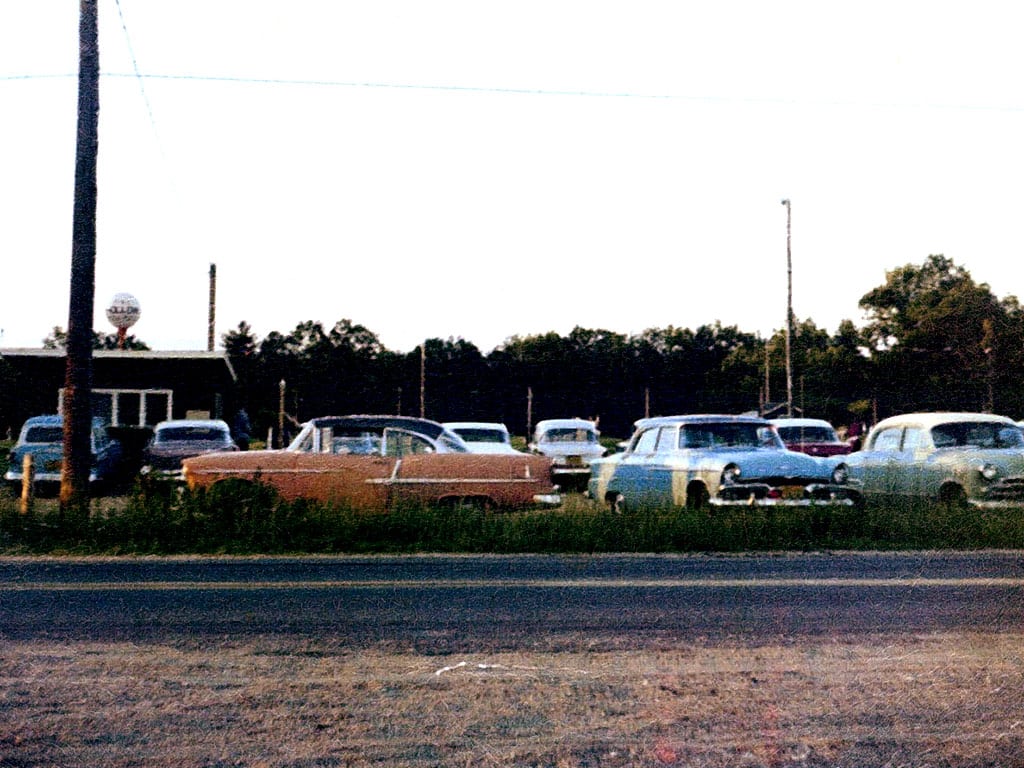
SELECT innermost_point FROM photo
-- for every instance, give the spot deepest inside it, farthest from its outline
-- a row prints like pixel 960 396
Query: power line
pixel 706 99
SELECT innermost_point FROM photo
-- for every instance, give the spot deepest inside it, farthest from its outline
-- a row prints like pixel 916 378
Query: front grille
pixel 1008 489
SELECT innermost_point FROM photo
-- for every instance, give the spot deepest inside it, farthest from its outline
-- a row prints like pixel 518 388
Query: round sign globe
pixel 124 311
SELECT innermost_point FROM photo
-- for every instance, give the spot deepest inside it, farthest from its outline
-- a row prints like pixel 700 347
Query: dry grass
pixel 945 700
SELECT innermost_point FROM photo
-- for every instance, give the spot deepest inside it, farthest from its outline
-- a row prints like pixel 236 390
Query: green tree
pixel 58 339
pixel 936 338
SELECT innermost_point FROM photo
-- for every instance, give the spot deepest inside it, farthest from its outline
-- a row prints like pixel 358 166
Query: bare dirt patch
pixel 939 700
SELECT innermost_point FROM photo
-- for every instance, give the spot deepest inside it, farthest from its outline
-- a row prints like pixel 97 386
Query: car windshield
pixel 45 434
pixel 808 435
pixel 190 434
pixel 979 434
pixel 481 435
pixel 727 435
pixel 569 435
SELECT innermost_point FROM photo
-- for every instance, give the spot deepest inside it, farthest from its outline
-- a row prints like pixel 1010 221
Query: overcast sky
pixel 479 170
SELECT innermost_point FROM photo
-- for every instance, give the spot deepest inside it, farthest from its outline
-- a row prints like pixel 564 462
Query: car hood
pixel 757 463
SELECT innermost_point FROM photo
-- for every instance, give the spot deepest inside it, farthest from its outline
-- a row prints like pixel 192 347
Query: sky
pixel 481 170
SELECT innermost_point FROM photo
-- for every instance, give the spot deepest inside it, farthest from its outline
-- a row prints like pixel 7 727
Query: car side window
pixel 646 442
pixel 1009 437
pixel 400 443
pixel 888 440
pixel 911 439
pixel 667 439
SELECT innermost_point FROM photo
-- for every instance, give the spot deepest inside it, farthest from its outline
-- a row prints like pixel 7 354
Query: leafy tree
pixel 58 339
pixel 935 338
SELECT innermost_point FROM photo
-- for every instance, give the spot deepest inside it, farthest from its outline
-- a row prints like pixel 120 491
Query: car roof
pixel 930 419
pixel 193 423
pixel 431 429
pixel 801 422
pixel 700 418
pixel 575 423
pixel 475 425
pixel 53 420
pixel 48 419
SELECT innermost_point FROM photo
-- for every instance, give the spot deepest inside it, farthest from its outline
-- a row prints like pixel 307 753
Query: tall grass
pixel 251 521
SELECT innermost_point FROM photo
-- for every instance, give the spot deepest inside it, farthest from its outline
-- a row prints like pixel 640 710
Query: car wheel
pixel 953 497
pixel 697 497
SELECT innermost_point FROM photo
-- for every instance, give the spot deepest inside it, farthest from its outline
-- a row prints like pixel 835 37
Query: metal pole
pixel 789 310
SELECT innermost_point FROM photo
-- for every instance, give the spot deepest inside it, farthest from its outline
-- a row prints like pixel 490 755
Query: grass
pixel 146 522
pixel 244 522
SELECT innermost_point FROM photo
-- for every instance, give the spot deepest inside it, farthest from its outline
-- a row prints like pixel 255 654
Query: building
pixel 130 388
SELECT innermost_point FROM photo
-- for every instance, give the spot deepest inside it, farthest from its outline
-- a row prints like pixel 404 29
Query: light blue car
pixel 43 438
pixel 704 461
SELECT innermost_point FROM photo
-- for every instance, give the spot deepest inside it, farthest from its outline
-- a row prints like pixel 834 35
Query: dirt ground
pixel 938 700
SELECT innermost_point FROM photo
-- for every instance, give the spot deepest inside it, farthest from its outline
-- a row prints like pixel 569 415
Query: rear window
pixel 191 434
pixel 476 435
pixel 808 435
pixel 569 435
pixel 43 434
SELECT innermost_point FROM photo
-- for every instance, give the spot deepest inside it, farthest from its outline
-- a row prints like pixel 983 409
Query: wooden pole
pixel 74 486
pixel 28 483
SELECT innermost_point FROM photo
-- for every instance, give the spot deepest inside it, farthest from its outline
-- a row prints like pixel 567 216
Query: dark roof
pixel 114 356
pixel 423 426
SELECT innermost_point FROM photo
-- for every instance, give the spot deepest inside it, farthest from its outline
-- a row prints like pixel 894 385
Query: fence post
pixel 28 483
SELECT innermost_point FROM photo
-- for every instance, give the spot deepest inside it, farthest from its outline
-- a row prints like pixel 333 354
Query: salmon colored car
pixel 375 462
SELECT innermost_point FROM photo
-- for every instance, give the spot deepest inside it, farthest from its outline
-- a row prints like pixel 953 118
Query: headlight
pixel 841 474
pixel 989 471
pixel 730 474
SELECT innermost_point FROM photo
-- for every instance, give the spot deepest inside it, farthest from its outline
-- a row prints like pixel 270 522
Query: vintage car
pixel 174 441
pixel 814 436
pixel 374 463
pixel 43 438
pixel 959 459
pixel 703 461
pixel 483 436
pixel 572 444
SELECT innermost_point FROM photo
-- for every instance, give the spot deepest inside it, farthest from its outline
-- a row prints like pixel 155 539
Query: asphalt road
pixel 490 603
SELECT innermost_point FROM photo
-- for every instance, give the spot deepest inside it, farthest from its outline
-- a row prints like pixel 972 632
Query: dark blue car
pixel 43 438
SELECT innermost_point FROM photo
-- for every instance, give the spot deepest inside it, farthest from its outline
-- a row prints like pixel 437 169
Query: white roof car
pixel 483 436
pixel 572 444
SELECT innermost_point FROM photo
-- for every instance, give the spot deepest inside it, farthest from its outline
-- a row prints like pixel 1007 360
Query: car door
pixel 335 469
pixel 910 472
pixel 644 476
pixel 878 463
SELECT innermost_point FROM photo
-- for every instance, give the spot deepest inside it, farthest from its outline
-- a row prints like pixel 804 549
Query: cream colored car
pixel 960 459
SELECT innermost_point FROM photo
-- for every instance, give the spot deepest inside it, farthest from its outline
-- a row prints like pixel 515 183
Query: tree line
pixel 934 340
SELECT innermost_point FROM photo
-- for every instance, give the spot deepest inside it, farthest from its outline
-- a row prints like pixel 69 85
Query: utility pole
pixel 423 380
pixel 212 309
pixel 789 310
pixel 74 483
